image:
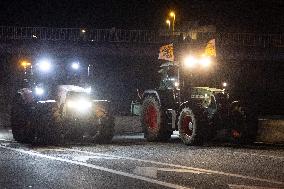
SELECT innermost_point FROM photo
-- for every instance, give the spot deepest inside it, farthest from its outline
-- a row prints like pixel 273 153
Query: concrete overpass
pixel 92 42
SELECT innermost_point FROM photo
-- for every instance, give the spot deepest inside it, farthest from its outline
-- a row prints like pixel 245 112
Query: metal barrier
pixel 136 36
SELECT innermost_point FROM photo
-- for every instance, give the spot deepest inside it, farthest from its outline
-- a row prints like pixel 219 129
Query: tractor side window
pixel 172 73
pixel 212 104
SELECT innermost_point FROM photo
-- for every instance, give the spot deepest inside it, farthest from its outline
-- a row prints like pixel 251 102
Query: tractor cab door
pixel 212 106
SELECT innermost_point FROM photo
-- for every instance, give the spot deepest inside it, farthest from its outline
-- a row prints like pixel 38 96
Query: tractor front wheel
pixel 21 123
pixel 191 126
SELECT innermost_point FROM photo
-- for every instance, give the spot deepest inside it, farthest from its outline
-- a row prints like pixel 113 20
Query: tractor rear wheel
pixel 153 121
pixel 191 126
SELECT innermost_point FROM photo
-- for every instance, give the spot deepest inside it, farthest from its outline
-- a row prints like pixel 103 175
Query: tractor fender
pixel 191 104
pixel 194 106
pixel 152 93
pixel 26 95
pixel 234 103
pixel 183 105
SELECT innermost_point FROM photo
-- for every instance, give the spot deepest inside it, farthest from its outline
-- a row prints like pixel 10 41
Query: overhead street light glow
pixel 168 22
pixel 173 15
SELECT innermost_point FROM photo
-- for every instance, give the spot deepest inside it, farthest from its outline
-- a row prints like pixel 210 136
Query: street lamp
pixel 169 23
pixel 173 15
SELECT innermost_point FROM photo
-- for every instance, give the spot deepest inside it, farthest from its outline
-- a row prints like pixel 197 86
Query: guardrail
pixel 136 36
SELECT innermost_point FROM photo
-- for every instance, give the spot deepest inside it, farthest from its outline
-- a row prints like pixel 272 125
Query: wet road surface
pixel 131 162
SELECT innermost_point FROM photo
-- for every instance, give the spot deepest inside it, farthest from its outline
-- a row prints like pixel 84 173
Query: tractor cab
pixel 45 76
pixel 169 76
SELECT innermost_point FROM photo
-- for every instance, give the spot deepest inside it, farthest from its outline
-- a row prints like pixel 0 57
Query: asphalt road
pixel 131 162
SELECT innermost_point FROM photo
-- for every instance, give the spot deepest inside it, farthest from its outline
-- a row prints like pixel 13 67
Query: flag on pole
pixel 210 49
pixel 167 52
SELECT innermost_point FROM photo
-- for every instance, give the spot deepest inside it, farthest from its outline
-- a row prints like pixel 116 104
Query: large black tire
pixel 48 127
pixel 22 122
pixel 105 131
pixel 153 121
pixel 191 126
pixel 243 125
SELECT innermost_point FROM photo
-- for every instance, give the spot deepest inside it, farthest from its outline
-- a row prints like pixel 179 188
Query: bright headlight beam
pixel 80 105
pixel 176 84
pixel 75 65
pixel 190 61
pixel 88 90
pixel 39 91
pixel 44 65
pixel 205 61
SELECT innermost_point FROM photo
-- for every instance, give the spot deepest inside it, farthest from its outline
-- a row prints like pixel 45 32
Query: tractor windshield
pixel 45 77
pixel 169 77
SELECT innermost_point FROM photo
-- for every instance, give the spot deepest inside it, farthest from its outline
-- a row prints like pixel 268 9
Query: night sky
pixel 238 15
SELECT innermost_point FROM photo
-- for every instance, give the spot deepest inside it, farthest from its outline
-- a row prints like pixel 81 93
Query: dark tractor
pixel 199 113
pixel 57 103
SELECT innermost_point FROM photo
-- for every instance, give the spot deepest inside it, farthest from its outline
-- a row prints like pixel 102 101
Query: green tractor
pixel 57 103
pixel 200 114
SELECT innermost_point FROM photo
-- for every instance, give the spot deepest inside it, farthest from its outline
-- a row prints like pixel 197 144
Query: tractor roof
pixel 213 90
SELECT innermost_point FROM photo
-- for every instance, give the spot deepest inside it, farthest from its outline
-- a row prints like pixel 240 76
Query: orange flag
pixel 167 52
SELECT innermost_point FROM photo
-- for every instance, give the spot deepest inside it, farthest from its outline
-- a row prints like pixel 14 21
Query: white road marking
pixel 150 180
pixel 184 167
pixel 153 171
pixel 87 158
pixel 258 155
pixel 235 186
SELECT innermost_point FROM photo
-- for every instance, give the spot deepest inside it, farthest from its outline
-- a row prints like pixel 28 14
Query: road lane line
pixel 236 186
pixel 258 155
pixel 184 167
pixel 153 181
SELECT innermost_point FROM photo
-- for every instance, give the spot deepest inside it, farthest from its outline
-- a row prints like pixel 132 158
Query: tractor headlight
pixel 75 65
pixel 190 61
pixel 205 61
pixel 80 105
pixel 44 65
pixel 88 90
pixel 39 91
